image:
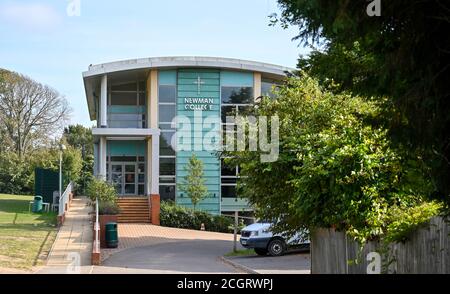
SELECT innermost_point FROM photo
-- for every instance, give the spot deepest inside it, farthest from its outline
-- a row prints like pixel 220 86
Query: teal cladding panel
pixel 126 148
pixel 167 77
pixel 209 88
pixel 236 79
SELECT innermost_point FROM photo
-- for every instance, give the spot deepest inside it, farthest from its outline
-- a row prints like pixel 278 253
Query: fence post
pixel 236 221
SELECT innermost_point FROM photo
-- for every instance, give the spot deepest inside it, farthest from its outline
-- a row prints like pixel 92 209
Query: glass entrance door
pixel 123 176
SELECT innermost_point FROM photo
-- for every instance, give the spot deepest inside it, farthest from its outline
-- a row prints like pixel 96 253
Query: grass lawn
pixel 244 252
pixel 25 237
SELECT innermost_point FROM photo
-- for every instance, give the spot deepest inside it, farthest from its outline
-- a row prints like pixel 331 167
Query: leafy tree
pixel 30 112
pixel 401 54
pixel 81 138
pixel 336 168
pixel 14 174
pixel 194 182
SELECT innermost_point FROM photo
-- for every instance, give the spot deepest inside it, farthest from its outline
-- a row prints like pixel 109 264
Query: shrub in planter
pixel 104 191
pixel 108 208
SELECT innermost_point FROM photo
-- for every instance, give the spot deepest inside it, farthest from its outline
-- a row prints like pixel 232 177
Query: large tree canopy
pixel 402 54
pixel 29 112
pixel 336 168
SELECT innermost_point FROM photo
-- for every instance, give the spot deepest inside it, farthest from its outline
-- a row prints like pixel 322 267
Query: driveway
pixel 148 249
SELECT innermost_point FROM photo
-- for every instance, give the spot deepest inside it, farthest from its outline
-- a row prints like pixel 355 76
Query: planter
pixel 104 219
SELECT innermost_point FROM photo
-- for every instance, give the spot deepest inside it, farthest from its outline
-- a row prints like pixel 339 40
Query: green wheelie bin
pixel 111 236
pixel 37 204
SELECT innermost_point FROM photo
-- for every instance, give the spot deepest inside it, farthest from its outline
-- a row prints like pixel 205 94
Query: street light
pixel 62 147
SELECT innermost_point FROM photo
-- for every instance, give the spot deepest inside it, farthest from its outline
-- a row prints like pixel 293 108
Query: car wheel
pixel 260 251
pixel 276 247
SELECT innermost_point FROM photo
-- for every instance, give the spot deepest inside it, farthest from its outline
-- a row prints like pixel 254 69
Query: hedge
pixel 176 216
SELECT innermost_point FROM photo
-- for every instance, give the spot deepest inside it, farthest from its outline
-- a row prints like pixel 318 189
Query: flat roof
pixel 141 66
pixel 185 61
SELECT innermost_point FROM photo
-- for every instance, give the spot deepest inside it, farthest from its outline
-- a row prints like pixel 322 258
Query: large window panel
pixel 267 87
pixel 167 166
pixel 124 87
pixel 167 192
pixel 167 113
pixel 165 143
pixel 237 95
pixel 120 98
pixel 227 170
pixel 167 94
pixel 228 191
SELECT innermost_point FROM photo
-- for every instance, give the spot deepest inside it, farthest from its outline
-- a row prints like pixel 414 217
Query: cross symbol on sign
pixel 199 83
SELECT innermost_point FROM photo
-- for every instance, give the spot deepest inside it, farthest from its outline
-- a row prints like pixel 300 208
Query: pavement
pixel 149 249
pixel 180 257
pixel 71 251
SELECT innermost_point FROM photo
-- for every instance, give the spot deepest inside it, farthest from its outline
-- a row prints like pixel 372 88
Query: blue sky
pixel 40 39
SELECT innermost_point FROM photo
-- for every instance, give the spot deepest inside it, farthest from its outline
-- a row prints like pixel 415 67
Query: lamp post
pixel 61 149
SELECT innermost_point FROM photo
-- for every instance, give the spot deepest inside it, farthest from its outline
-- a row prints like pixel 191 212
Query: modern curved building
pixel 134 103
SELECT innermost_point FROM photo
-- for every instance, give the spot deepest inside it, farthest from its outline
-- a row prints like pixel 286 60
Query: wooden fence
pixel 427 251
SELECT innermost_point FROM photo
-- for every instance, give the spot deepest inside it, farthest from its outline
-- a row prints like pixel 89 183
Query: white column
pixel 155 165
pixel 104 101
pixel 102 158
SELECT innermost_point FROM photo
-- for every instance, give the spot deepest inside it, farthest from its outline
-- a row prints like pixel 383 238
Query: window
pixel 167 166
pixel 167 94
pixel 126 105
pixel 267 87
pixel 229 177
pixel 228 191
pixel 129 87
pixel 167 192
pixel 167 113
pixel 237 95
pixel 120 98
pixel 165 143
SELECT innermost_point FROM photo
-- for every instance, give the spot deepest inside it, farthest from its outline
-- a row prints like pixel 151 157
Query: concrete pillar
pixel 148 168
pixel 155 165
pixel 152 99
pixel 102 158
pixel 104 102
pixel 256 85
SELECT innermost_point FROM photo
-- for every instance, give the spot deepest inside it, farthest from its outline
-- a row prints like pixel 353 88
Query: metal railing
pixel 96 229
pixel 64 199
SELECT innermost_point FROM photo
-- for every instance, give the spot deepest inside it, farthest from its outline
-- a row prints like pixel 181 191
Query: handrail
pixel 64 199
pixel 97 229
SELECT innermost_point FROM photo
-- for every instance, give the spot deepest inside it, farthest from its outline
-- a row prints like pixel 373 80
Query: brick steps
pixel 134 210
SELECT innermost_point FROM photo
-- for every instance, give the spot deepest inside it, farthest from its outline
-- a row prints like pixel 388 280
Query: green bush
pixel 108 208
pixel 176 216
pixel 104 191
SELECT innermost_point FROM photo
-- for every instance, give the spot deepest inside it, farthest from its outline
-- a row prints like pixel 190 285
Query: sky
pixel 54 41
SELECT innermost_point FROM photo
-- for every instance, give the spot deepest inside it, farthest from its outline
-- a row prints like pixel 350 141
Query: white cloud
pixel 30 15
